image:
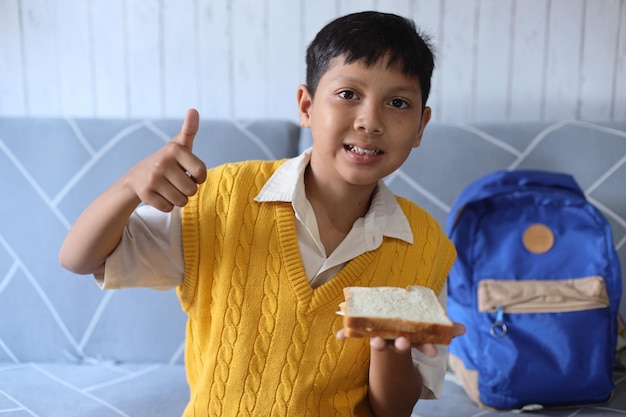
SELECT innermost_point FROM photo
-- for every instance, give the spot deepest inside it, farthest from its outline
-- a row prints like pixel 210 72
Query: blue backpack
pixel 537 283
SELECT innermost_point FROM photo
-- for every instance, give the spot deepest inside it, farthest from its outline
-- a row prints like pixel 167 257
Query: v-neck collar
pixel 311 299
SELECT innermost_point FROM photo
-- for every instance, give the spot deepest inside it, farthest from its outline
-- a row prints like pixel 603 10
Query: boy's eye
pixel 399 103
pixel 348 95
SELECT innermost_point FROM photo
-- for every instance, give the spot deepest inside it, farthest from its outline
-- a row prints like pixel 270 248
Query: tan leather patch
pixel 538 238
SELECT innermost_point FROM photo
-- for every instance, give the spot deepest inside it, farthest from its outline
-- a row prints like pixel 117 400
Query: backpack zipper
pixel 498 328
pixel 539 296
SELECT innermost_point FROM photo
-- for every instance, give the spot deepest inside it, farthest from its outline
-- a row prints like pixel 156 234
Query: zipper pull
pixel 498 328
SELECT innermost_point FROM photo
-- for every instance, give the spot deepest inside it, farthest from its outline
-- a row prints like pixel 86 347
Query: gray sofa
pixel 68 349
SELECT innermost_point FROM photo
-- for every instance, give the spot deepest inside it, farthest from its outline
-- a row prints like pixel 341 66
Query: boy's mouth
pixel 361 151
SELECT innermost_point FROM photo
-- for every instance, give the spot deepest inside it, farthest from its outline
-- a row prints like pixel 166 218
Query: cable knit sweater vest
pixel 260 341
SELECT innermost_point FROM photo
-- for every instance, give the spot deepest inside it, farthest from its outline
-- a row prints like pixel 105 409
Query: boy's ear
pixel 425 119
pixel 304 105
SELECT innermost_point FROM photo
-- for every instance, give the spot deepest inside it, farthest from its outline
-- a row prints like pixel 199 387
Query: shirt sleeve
pixel 149 254
pixel 432 369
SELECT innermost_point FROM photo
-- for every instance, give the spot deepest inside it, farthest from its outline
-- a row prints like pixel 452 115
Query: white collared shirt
pixel 150 251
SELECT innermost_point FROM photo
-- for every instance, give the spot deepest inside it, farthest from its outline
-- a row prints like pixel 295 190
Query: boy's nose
pixel 369 120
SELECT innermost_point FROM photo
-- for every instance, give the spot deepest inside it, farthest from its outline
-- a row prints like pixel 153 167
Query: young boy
pixel 261 251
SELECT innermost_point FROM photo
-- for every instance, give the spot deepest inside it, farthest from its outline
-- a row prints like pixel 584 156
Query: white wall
pixel 497 59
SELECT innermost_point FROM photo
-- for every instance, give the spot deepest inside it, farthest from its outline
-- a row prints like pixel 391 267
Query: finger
pixel 157 201
pixel 341 335
pixel 193 167
pixel 165 196
pixel 428 349
pixel 458 329
pixel 378 343
pixel 185 180
pixel 188 130
pixel 402 344
pixel 179 194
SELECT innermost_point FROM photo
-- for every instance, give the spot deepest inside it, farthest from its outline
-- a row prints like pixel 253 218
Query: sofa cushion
pixel 94 390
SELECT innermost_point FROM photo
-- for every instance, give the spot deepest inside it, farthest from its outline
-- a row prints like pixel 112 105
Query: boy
pixel 261 251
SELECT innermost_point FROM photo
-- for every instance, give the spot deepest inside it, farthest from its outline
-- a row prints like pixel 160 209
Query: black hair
pixel 368 37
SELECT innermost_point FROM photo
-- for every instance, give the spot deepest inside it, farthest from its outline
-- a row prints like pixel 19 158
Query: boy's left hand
pixel 402 344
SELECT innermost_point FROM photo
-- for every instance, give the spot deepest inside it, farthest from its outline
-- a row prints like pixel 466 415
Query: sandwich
pixel 391 312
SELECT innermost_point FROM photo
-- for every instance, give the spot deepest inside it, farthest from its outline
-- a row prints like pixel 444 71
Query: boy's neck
pixel 336 208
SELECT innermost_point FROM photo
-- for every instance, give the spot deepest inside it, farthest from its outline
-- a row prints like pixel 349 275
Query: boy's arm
pixel 163 180
pixel 395 384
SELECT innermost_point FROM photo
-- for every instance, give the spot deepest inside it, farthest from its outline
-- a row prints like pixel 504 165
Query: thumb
pixel 189 129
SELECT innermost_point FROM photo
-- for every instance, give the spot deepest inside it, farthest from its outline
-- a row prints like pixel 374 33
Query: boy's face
pixel 364 121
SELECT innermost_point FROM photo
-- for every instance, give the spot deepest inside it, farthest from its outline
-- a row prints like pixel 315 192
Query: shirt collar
pixel 384 217
pixel 285 181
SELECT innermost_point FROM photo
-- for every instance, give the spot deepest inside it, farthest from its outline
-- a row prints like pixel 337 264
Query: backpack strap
pixel 501 182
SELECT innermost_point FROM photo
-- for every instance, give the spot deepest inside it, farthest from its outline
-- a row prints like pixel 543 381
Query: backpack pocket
pixel 547 341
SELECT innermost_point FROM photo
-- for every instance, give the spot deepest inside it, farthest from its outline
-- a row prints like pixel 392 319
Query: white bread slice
pixel 390 312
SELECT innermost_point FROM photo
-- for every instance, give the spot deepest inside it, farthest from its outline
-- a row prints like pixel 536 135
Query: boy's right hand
pixel 163 180
pixel 168 177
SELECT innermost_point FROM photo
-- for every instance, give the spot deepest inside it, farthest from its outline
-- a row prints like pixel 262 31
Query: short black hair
pixel 368 37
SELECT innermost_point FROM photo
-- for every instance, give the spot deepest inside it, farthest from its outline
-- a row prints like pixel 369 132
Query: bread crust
pixel 418 333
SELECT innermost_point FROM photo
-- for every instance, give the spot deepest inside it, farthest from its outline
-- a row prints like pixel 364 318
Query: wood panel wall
pixel 498 60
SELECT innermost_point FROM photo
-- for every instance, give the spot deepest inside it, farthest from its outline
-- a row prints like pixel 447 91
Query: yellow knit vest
pixel 260 340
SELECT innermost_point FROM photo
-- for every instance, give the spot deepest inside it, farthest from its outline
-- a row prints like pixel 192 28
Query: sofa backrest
pixel 50 169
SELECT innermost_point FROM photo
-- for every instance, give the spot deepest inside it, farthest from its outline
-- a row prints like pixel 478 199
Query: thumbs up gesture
pixel 168 177
pixel 188 130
